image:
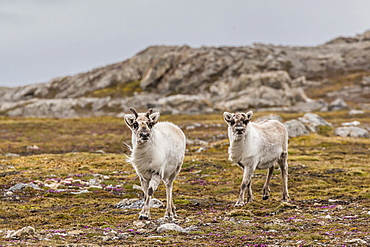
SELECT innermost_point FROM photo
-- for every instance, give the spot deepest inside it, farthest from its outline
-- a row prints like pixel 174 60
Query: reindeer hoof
pixel 238 204
pixel 169 218
pixel 143 217
pixel 265 197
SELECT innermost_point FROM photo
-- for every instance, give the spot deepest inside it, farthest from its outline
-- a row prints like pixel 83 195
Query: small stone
pixel 9 193
pixel 338 104
pixel 351 132
pixel 155 203
pixel 67 181
pixel 340 207
pixel 122 235
pixel 312 121
pixel 191 228
pixel 95 181
pixel 17 187
pixel 80 192
pixel 328 217
pixel 21 186
pixel 356 240
pixel 356 112
pixel 201 149
pixel 106 238
pixel 33 147
pixel 138 223
pixel 27 231
pixel 138 203
pixel 12 155
pixel 75 232
pixel 96 186
pixel 354 123
pixel 170 227
pixel 53 185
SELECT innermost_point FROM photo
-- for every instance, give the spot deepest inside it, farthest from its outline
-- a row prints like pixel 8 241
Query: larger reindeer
pixel 158 150
pixel 257 145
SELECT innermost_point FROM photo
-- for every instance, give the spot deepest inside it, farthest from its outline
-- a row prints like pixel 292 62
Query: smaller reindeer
pixel 158 150
pixel 257 145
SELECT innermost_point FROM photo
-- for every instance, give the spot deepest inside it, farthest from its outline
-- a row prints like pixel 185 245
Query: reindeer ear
pixel 129 119
pixel 249 115
pixel 228 117
pixel 154 117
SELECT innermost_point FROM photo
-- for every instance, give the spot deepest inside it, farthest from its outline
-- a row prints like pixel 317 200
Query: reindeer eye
pixel 232 122
pixel 245 122
pixel 150 125
pixel 136 125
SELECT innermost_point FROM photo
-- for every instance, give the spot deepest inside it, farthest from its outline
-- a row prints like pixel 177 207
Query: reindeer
pixel 257 146
pixel 158 150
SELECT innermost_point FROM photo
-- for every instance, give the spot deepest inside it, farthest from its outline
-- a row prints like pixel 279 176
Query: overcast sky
pixel 43 39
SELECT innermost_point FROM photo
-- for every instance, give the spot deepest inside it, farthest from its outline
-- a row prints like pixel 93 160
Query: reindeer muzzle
pixel 239 130
pixel 144 135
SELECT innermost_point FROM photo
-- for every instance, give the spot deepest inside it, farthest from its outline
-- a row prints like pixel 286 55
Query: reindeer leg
pixel 149 186
pixel 250 197
pixel 145 214
pixel 246 184
pixel 170 208
pixel 283 163
pixel 266 186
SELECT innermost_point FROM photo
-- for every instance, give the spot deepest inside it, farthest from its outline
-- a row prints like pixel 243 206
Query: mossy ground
pixel 117 90
pixel 329 185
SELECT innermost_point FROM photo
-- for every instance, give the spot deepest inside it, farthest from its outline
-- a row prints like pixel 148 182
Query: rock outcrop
pixel 352 132
pixel 194 80
pixel 295 128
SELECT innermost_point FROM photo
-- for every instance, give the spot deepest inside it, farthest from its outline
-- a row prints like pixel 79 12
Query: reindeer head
pixel 237 122
pixel 141 124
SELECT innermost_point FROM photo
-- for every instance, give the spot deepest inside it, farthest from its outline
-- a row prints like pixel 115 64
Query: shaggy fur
pixel 157 155
pixel 257 146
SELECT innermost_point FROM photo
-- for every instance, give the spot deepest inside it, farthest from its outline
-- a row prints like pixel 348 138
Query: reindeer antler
pixel 134 112
pixel 150 111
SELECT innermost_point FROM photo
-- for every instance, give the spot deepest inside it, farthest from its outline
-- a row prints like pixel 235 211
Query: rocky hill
pixel 189 80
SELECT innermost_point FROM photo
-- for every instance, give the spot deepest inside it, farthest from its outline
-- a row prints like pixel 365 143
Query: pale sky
pixel 43 39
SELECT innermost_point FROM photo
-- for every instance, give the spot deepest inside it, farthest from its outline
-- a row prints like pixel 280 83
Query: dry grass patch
pixel 329 187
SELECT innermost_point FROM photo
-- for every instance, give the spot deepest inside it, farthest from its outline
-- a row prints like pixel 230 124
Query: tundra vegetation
pixel 70 174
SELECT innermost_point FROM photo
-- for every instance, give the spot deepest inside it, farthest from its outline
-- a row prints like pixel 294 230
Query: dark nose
pixel 239 131
pixel 239 128
pixel 144 134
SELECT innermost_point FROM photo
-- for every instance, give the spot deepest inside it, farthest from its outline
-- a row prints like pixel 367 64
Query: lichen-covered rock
pixel 182 104
pixel 312 121
pixel 25 232
pixel 338 104
pixel 170 227
pixel 138 203
pixel 351 132
pixel 295 128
